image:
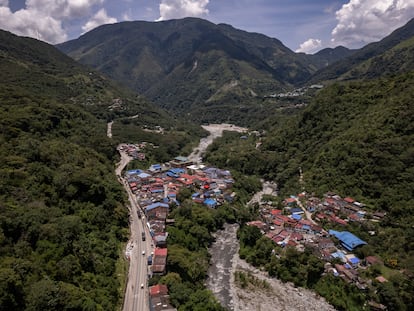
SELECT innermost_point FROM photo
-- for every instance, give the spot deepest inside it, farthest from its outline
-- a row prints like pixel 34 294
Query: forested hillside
pixel 354 138
pixel 62 213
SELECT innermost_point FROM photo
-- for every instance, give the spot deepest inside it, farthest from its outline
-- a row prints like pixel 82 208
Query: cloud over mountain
pixel 171 9
pixel 361 22
pixel 310 46
pixel 100 18
pixel 45 19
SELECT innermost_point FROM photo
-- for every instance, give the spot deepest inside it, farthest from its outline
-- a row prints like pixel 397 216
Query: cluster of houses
pixel 135 151
pixel 156 190
pixel 299 223
pixel 296 92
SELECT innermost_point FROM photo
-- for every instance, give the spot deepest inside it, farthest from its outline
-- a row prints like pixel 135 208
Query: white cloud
pixel 310 46
pixel 362 22
pixel 126 16
pixel 171 9
pixel 63 9
pixel 32 23
pixel 98 19
pixel 43 19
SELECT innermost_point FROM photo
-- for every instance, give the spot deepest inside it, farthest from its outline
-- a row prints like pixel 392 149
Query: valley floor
pixel 262 292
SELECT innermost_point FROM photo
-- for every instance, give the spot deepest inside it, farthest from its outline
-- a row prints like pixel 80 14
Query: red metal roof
pixel 296 236
pixel 277 239
pixel 349 200
pixel 278 222
pixel 292 243
pixel 276 211
pixel 162 252
pixel 290 200
pixel 159 289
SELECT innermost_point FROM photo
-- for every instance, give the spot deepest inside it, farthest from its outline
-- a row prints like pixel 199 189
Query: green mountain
pixel 393 54
pixel 192 66
pixel 328 56
pixel 33 67
pixel 354 139
pixel 62 213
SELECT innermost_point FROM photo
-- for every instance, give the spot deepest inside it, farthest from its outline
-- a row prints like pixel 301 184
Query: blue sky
pixel 302 25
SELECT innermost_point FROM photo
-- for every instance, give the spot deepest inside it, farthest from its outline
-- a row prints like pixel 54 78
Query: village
pixel 297 223
pixel 156 190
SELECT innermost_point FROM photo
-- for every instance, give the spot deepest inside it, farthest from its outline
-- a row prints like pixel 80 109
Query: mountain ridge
pixel 158 59
pixel 348 69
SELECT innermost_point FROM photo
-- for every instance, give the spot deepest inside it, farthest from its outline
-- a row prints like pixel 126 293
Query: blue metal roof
pixel 172 174
pixel 347 239
pixel 136 171
pixel 144 175
pixel 176 170
pixel 210 202
pixel 155 205
pixel 157 190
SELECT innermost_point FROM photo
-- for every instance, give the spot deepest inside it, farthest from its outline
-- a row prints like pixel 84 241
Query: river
pixel 216 130
pixel 225 261
pixel 220 272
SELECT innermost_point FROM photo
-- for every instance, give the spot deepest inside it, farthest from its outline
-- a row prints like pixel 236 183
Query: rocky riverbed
pixel 216 130
pixel 263 293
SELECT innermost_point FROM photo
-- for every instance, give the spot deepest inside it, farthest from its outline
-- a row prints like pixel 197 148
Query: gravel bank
pixel 278 296
pixel 216 130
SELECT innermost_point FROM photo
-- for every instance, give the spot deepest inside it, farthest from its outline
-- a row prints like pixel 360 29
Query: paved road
pixel 136 298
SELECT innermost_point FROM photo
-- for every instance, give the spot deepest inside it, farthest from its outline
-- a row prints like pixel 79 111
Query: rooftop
pixel 161 252
pixel 159 289
pixel 347 239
